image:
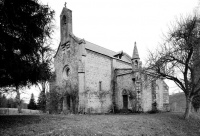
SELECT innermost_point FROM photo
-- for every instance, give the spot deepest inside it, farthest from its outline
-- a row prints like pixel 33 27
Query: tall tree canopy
pixel 24 27
pixel 178 59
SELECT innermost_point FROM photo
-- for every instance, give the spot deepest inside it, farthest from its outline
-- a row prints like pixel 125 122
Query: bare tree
pixel 178 59
pixel 46 58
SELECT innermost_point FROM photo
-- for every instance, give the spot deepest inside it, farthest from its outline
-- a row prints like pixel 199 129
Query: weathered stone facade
pixel 97 80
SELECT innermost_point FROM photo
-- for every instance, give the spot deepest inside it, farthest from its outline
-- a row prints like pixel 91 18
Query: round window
pixel 66 72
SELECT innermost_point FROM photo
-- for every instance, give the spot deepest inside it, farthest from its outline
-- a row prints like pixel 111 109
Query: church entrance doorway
pixel 125 101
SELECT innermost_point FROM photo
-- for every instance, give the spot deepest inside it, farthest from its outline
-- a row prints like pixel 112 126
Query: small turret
pixel 135 52
pixel 136 76
pixel 135 59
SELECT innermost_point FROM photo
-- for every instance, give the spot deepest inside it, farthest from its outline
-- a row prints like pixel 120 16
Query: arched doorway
pixel 125 99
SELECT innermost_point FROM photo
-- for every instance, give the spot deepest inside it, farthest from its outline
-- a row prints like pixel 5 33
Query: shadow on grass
pixel 9 121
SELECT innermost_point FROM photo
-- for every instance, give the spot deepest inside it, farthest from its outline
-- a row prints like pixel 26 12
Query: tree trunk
pixel 188 107
pixel 43 95
pixel 18 100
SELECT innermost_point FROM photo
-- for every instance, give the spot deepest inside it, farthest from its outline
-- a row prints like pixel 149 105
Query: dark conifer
pixel 24 27
pixel 32 105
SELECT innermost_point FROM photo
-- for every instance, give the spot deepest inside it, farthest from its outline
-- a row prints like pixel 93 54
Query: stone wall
pixel 98 82
pixel 166 106
pixel 67 58
pixel 159 94
pixel 165 94
pixel 66 68
pixel 146 93
pixel 123 82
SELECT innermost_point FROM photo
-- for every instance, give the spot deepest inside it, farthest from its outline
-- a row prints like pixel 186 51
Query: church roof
pixel 135 52
pixel 104 51
pixel 96 48
pixel 99 49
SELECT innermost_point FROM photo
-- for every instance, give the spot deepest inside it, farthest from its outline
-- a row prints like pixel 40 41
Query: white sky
pixel 117 24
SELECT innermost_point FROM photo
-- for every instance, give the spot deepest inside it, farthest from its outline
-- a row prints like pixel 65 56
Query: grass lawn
pixel 160 124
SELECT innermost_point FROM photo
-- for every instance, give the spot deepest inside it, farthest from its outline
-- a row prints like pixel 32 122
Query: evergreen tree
pixel 32 105
pixel 3 101
pixel 41 104
pixel 24 27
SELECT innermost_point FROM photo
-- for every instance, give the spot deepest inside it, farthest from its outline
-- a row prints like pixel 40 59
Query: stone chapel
pixel 94 79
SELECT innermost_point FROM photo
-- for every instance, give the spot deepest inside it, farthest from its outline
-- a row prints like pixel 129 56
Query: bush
pixel 54 100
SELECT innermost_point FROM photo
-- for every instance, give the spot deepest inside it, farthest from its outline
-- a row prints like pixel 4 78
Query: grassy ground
pixel 161 124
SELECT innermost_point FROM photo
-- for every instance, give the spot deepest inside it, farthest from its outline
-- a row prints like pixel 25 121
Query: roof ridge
pixel 101 47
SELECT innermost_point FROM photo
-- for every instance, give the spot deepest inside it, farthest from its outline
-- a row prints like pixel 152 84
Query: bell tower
pixel 136 66
pixel 65 24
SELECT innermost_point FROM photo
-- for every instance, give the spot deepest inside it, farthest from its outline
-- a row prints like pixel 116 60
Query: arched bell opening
pixel 64 20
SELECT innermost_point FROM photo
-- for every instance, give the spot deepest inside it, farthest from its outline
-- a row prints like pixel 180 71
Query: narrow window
pixel 100 86
pixel 68 102
pixel 136 63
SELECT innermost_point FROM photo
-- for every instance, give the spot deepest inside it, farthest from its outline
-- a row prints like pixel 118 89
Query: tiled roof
pixel 104 51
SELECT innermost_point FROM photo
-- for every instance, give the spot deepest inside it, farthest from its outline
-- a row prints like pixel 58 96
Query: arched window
pixel 124 92
pixel 136 63
pixel 64 20
pixel 67 71
pixel 125 99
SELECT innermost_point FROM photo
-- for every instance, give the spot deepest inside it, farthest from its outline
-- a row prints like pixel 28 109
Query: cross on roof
pixel 65 4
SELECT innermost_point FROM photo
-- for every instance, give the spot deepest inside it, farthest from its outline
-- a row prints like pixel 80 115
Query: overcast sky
pixel 117 24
